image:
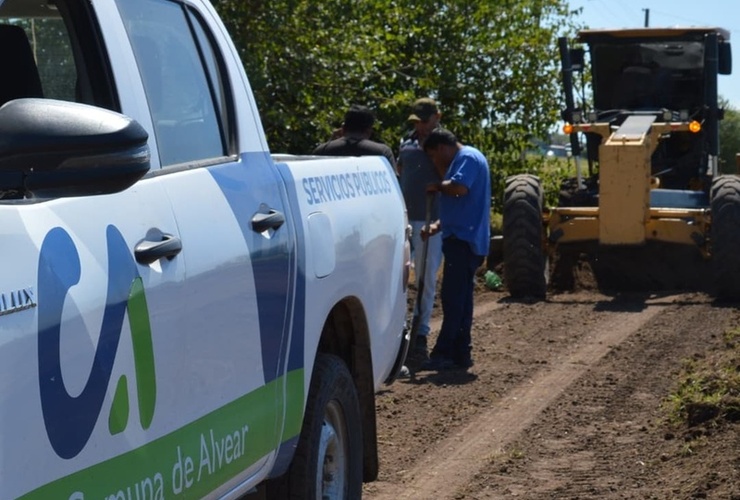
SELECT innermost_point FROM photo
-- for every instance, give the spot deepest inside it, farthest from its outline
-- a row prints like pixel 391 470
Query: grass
pixel 708 391
pixel 514 452
pixel 497 223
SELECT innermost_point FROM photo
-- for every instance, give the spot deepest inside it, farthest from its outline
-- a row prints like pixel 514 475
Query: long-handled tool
pixel 418 303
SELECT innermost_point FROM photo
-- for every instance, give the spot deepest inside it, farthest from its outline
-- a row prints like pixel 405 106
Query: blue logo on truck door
pixel 70 420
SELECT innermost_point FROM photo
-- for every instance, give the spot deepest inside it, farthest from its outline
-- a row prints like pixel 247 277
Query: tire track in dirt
pixel 605 436
pixel 451 464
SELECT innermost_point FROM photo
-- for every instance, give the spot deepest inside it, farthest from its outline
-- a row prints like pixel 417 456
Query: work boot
pixel 421 346
pixel 464 363
pixel 438 364
pixel 418 354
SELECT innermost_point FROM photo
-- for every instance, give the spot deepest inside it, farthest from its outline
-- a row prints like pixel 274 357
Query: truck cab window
pixel 36 58
pixel 61 52
pixel 185 111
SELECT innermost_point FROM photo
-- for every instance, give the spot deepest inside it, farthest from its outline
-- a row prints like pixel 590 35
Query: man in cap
pixel 416 170
pixel 355 139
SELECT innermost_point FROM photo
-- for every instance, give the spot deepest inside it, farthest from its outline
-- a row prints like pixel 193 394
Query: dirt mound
pixel 653 267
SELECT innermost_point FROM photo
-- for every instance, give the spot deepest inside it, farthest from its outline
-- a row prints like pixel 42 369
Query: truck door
pixel 84 295
pixel 226 356
pixel 77 335
pixel 126 368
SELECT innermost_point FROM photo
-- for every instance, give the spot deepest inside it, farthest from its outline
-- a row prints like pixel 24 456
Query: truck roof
pixel 680 33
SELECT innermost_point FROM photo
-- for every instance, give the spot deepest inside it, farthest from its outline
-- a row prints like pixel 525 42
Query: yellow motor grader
pixel 652 180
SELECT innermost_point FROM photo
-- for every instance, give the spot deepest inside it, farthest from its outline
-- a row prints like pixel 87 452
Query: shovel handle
pixel 428 222
pixel 416 315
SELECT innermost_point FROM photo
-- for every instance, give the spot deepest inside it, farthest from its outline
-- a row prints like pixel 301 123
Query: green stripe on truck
pixel 195 459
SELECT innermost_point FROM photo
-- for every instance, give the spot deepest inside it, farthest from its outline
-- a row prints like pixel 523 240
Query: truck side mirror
pixel 576 59
pixel 59 149
pixel 725 58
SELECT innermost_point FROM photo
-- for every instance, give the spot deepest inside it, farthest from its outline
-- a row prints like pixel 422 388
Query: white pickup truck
pixel 182 314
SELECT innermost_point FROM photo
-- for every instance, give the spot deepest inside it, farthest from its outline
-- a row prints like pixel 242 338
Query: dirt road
pixel 567 399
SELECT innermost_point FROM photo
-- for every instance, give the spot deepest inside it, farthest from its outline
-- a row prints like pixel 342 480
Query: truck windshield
pixel 648 75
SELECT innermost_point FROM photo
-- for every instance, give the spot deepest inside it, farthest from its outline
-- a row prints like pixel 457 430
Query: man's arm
pixel 448 188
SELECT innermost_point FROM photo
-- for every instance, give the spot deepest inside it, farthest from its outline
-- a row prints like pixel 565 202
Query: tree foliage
pixel 729 138
pixel 53 53
pixel 493 66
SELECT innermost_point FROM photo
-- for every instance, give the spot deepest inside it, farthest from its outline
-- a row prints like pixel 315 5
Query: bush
pixel 551 171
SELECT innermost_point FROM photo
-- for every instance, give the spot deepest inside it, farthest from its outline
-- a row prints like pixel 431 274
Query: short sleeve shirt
pixel 468 217
pixel 347 146
pixel 417 171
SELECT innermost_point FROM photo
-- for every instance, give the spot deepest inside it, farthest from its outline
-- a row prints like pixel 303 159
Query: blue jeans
pixel 460 264
pixel 434 258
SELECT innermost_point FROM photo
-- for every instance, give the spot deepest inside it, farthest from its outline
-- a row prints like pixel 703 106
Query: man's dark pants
pixel 460 264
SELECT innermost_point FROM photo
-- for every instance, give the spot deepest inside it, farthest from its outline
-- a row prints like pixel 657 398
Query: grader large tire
pixel 725 236
pixel 525 261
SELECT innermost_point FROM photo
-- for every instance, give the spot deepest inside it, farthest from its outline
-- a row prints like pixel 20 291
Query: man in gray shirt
pixel 416 171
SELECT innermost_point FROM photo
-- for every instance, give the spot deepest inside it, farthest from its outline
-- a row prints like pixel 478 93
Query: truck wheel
pixel 525 261
pixel 328 459
pixel 725 236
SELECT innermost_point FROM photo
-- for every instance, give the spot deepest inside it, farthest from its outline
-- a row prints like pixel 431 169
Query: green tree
pixel 729 138
pixel 493 66
pixel 51 48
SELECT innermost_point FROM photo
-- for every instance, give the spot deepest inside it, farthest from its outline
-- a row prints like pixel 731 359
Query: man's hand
pixel 431 230
pixel 434 187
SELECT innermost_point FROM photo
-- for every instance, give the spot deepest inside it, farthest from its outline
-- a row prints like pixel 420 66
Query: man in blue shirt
pixel 464 221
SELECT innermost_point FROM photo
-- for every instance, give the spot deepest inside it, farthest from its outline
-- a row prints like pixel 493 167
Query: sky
pixel 631 14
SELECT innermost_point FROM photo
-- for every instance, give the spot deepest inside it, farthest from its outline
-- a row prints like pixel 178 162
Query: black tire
pixel 525 260
pixel 725 236
pixel 328 460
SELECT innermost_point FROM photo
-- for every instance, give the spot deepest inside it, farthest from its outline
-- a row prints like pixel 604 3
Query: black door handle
pixel 148 251
pixel 271 220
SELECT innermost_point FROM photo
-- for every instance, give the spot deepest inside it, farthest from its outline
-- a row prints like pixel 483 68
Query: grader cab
pixel 651 179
